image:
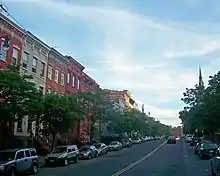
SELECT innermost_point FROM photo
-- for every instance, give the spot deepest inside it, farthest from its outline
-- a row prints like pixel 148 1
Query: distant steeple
pixel 201 83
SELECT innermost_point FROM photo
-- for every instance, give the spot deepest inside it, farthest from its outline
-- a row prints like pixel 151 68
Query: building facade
pixel 56 73
pixel 12 54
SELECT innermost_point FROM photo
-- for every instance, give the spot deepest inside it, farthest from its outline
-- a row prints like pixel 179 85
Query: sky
pixel 153 48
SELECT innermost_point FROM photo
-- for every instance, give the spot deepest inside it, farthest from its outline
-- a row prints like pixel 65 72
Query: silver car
pixel 101 148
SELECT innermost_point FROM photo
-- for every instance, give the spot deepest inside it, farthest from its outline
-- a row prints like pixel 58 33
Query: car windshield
pixel 136 139
pixel 97 146
pixel 85 148
pixel 60 150
pixel 7 156
pixel 209 146
pixel 114 143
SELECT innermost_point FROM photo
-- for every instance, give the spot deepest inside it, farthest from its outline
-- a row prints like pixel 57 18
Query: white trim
pixel 16 46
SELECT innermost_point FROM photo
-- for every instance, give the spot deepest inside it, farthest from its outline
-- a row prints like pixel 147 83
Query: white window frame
pixel 56 76
pixel 15 53
pixel 49 90
pixel 42 69
pixel 50 71
pixel 73 81
pixel 62 82
pixel 25 60
pixel 68 77
pixel 33 65
pixel 78 84
pixel 3 52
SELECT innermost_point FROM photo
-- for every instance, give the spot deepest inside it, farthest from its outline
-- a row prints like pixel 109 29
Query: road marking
pixel 138 161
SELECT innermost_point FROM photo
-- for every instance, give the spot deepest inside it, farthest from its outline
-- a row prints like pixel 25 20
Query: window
pixel 20 155
pixel 27 153
pixel 48 90
pixel 73 83
pixel 62 79
pixel 56 76
pixel 14 56
pixel 33 153
pixel 69 150
pixel 78 84
pixel 19 126
pixel 34 65
pixel 49 74
pixel 29 126
pixel 25 60
pixel 3 51
pixel 41 89
pixel 55 93
pixel 68 78
pixel 42 68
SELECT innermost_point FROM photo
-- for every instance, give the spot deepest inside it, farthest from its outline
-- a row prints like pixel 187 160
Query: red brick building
pixel 56 73
pixel 12 55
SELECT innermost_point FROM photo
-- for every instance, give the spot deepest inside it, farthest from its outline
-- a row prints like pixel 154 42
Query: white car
pixel 136 141
pixel 115 145
pixel 189 139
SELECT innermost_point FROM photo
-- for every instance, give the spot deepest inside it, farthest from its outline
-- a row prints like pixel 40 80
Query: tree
pixel 95 105
pixel 59 114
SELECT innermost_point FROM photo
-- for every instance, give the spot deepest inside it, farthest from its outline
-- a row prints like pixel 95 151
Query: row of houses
pixel 52 72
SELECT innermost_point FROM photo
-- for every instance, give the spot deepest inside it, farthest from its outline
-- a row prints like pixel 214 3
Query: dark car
pixel 207 150
pixel 126 143
pixel 215 163
pixel 171 140
pixel 195 140
pixel 196 149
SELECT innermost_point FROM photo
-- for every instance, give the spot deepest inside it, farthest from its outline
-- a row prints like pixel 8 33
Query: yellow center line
pixel 118 173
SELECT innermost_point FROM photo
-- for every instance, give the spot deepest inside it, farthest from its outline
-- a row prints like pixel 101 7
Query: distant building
pixel 177 131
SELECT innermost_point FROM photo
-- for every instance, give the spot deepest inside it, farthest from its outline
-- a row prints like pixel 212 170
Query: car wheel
pixel 34 169
pixel 213 174
pixel 77 159
pixel 13 172
pixel 89 157
pixel 66 162
pixel 97 155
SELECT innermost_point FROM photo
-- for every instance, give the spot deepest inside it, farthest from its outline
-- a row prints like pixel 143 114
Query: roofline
pixel 13 24
pixel 70 57
pixel 58 53
pixel 29 34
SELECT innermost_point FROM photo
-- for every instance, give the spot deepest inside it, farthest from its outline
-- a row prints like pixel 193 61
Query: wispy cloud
pixel 137 53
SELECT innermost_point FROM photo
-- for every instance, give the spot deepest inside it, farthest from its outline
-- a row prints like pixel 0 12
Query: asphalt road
pixel 105 165
pixel 170 160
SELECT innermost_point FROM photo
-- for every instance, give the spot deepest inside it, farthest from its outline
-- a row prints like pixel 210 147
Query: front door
pixel 21 161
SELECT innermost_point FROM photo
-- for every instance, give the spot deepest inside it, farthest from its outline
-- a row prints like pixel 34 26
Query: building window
pixel 78 84
pixel 41 89
pixel 49 91
pixel 73 83
pixel 29 126
pixel 19 125
pixel 3 51
pixel 56 76
pixel 25 60
pixel 55 93
pixel 49 74
pixel 34 65
pixel 62 79
pixel 68 78
pixel 14 56
pixel 42 69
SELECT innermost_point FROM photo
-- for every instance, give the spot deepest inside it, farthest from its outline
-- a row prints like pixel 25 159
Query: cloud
pixel 139 53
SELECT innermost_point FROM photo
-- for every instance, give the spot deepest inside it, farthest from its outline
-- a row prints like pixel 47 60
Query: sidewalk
pixel 41 161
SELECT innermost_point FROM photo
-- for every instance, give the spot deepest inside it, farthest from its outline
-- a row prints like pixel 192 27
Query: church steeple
pixel 201 83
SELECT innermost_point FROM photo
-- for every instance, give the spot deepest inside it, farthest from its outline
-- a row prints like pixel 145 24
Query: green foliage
pixel 202 111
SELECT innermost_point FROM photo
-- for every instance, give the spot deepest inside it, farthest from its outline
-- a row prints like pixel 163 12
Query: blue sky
pixel 151 47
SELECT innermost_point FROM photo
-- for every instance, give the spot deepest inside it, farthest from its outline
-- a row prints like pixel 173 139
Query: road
pixel 169 160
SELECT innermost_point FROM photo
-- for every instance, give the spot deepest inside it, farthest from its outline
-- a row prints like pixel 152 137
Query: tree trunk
pixel 54 140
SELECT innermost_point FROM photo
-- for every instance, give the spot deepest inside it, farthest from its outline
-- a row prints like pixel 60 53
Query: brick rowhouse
pixel 17 35
pixel 73 86
pixel 56 73
pixel 88 84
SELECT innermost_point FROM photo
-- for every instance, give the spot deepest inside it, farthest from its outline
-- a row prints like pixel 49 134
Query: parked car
pixel 88 152
pixel 126 143
pixel 171 140
pixel 188 139
pixel 18 161
pixel 207 150
pixel 136 141
pixel 115 145
pixel 195 140
pixel 196 148
pixel 144 138
pixel 215 163
pixel 62 155
pixel 101 148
